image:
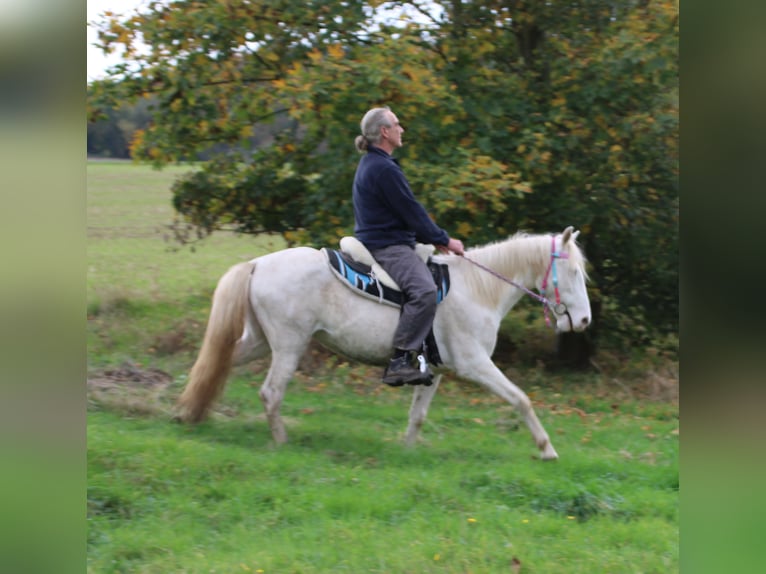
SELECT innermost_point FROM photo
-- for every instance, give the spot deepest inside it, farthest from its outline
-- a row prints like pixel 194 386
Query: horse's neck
pixel 519 259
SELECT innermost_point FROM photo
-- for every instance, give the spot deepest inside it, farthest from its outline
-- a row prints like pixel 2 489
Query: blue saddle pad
pixel 359 276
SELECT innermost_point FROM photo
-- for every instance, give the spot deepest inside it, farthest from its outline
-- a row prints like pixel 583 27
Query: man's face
pixel 393 134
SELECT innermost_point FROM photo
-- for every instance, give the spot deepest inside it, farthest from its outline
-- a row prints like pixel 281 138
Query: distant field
pixel 344 495
pixel 129 245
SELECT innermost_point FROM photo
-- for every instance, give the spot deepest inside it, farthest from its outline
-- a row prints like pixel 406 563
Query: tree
pixel 518 115
pixel 110 136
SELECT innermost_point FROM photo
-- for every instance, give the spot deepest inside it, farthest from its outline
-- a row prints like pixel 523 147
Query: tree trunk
pixel 576 349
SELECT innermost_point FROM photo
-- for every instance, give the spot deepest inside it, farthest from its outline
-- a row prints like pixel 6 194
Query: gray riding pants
pixel 417 285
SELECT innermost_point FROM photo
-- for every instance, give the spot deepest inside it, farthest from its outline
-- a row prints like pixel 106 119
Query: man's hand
pixel 454 246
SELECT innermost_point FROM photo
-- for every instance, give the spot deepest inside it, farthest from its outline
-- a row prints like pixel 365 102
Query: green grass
pixel 131 253
pixel 144 290
pixel 344 495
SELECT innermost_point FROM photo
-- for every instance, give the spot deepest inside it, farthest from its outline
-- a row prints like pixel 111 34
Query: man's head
pixel 381 128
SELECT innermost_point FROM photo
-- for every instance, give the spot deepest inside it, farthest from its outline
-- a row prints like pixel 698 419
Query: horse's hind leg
pixel 252 344
pixel 421 400
pixel 283 365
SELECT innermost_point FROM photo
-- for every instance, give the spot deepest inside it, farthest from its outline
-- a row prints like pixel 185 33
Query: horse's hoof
pixel 548 454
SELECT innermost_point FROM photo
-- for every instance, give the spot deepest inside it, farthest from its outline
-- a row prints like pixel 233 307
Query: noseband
pixel 558 308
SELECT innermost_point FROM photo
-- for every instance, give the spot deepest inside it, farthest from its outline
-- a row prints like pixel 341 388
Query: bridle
pixel 558 308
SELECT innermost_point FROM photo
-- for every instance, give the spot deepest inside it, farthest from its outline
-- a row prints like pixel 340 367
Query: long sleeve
pixel 385 209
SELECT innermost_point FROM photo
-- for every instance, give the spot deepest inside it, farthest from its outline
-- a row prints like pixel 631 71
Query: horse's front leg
pixel 479 368
pixel 421 400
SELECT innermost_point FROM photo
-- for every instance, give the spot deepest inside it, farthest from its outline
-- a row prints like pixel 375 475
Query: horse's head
pixel 566 273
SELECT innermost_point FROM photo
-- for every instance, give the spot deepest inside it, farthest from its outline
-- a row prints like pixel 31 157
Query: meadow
pixel 345 494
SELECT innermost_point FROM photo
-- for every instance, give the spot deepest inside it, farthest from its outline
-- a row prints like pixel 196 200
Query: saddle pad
pixel 360 277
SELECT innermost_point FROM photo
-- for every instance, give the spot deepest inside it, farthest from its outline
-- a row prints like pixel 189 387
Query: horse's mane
pixel 522 255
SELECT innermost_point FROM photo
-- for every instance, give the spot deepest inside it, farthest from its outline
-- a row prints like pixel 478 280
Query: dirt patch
pixel 659 386
pixel 129 375
pixel 130 390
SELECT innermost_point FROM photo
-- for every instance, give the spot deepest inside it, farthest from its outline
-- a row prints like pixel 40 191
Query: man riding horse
pixel 389 221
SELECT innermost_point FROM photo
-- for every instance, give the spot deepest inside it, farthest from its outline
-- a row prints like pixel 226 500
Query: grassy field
pixel 345 495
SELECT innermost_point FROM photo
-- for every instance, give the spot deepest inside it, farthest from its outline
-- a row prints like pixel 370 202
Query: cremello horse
pixel 278 302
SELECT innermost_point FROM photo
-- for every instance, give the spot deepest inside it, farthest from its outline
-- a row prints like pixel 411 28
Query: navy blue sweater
pixel 385 209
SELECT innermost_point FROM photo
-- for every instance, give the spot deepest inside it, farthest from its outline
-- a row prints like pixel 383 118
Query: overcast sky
pixel 97 62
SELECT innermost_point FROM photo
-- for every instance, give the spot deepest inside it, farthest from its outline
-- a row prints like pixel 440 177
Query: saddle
pixel 356 268
pixel 358 252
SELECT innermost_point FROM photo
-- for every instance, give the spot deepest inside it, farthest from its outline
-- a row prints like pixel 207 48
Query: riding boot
pixel 401 371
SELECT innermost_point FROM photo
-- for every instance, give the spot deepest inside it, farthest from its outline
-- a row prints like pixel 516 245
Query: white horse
pixel 278 302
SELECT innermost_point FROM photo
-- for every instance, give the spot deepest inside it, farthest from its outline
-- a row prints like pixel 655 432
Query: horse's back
pixel 291 254
pixel 294 263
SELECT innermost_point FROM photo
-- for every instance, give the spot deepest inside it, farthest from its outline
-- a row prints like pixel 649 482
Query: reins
pixel 558 308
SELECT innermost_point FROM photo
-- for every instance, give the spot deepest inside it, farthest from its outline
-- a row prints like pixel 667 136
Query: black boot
pixel 402 371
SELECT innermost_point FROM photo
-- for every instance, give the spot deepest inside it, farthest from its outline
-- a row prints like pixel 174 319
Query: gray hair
pixel 370 125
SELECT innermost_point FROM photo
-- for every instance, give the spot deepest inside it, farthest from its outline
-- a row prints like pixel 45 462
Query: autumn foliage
pixel 518 115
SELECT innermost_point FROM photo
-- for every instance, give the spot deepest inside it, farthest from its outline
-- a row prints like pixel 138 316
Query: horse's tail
pixel 224 328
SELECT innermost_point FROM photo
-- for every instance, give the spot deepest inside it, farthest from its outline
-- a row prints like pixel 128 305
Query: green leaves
pixel 516 116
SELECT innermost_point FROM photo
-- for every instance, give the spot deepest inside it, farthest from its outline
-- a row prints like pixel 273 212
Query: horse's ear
pixel 567 235
pixel 575 234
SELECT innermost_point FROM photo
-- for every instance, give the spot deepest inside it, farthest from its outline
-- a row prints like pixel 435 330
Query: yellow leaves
pixel 315 56
pixel 622 181
pixel 449 203
pixel 137 142
pixel 448 120
pixel 616 148
pixel 410 72
pixel 269 56
pixel 485 47
pixel 464 229
pixel 336 51
pixel 522 186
